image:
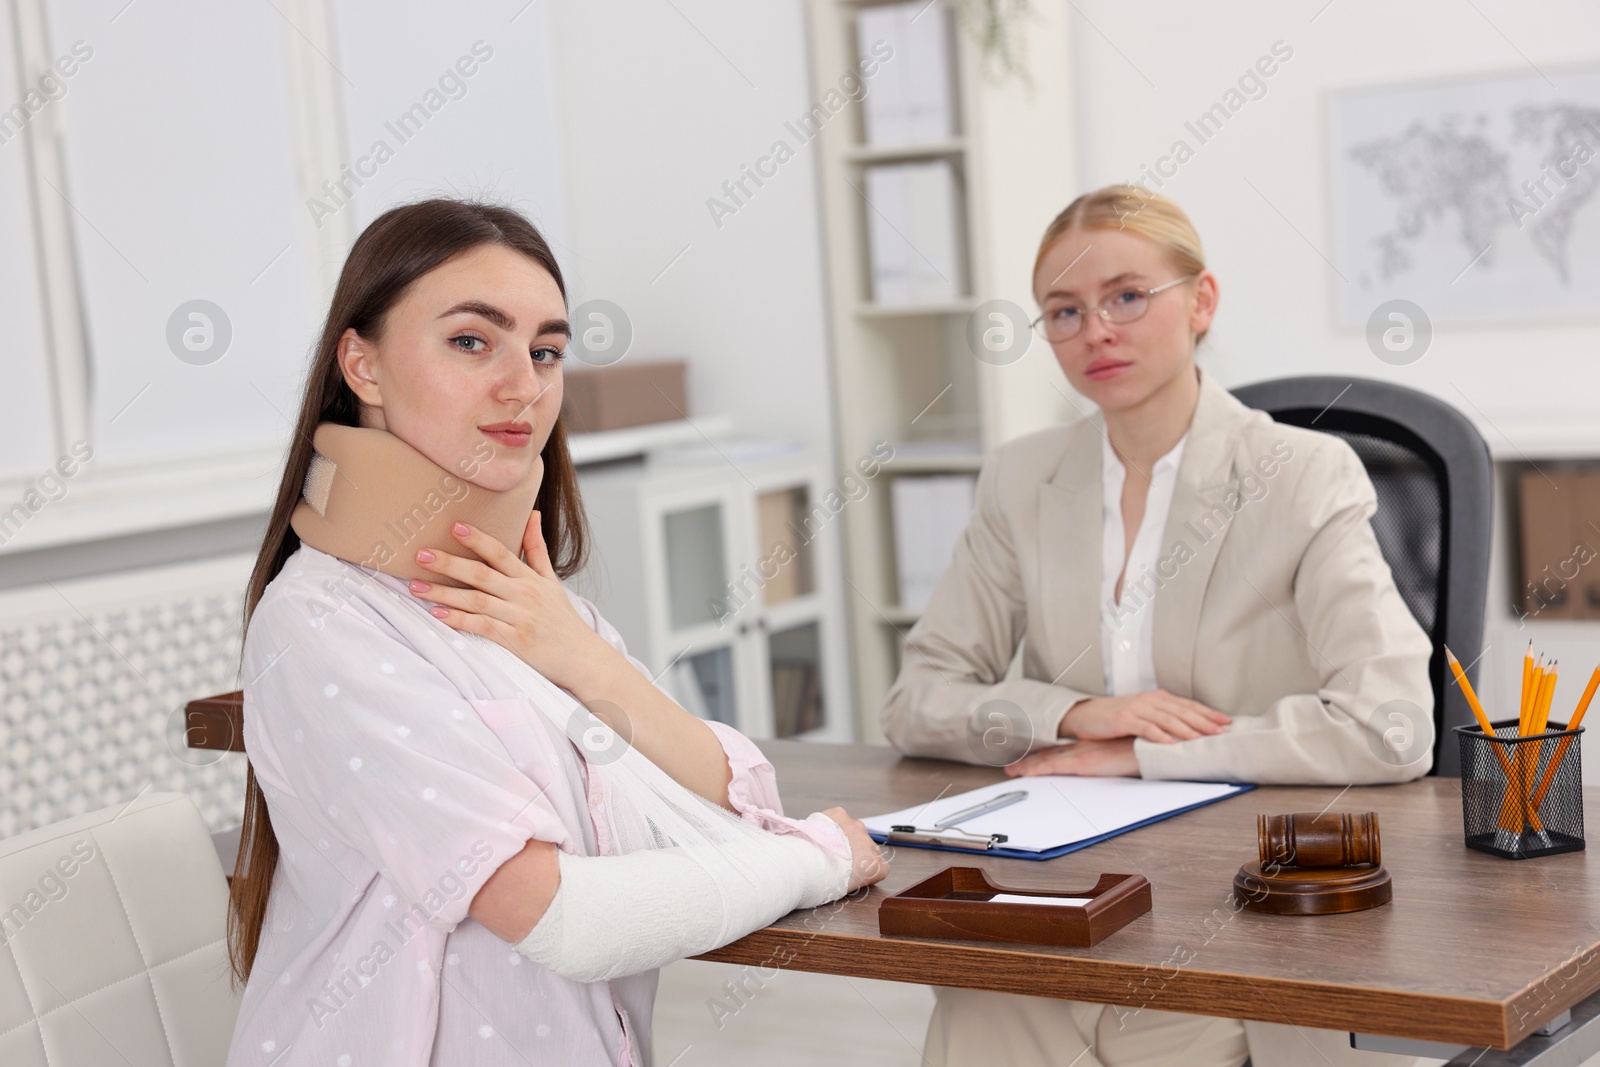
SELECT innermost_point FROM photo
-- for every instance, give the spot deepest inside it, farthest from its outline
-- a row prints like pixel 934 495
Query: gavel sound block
pixel 1315 865
pixel 955 904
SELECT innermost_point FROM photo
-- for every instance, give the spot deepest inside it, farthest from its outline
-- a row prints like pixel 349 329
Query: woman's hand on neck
pixel 1144 432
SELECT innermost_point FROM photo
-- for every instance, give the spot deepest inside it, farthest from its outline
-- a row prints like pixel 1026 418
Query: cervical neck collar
pixel 371 499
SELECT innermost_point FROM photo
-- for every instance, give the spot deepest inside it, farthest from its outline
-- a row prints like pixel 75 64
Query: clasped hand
pixel 1105 729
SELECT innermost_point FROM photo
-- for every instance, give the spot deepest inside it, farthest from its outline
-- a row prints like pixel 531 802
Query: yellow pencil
pixel 1526 759
pixel 1583 704
pixel 1527 678
pixel 1486 727
pixel 1530 698
pixel 1498 750
pixel 1543 716
pixel 1561 749
pixel 1466 691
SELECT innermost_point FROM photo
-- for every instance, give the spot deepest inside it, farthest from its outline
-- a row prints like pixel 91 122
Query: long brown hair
pixel 400 246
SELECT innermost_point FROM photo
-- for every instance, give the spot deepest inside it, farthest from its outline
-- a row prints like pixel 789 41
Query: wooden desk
pixel 1474 950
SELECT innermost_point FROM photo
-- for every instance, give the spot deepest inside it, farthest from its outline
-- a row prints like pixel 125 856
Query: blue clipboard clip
pixel 910 835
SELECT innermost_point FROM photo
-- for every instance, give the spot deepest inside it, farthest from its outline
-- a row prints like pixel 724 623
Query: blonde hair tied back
pixel 1136 210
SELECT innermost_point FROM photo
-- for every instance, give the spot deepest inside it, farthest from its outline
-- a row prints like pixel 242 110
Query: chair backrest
pixel 1433 477
pixel 112 942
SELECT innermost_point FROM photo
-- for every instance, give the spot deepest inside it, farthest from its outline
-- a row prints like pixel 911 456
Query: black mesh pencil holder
pixel 1521 797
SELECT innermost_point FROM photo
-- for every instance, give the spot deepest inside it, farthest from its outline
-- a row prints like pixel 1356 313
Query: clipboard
pixel 1082 802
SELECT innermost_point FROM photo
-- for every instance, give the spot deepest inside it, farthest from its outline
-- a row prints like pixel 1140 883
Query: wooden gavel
pixel 1304 839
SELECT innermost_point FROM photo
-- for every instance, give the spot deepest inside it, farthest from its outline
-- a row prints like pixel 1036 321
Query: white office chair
pixel 112 946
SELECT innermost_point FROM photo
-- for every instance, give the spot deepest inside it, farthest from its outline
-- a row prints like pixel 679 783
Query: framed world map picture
pixel 1476 198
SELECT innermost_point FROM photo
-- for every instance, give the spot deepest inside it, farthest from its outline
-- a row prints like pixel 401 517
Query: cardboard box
pixel 781 512
pixel 1584 552
pixel 1547 514
pixel 629 394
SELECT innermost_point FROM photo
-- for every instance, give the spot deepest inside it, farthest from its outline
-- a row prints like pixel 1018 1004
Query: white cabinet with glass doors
pixel 725 581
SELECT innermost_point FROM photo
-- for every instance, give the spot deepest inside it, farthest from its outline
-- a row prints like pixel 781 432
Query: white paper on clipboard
pixel 1060 809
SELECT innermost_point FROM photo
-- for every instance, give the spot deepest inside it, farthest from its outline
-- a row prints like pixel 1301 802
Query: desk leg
pixel 1405 1046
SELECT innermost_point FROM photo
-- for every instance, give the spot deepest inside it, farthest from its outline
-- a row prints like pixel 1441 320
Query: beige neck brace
pixel 373 500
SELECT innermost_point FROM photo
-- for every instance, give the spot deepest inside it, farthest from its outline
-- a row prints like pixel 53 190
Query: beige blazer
pixel 1272 603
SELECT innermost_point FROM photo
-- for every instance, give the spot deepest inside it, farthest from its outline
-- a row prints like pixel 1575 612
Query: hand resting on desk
pixel 1105 727
pixel 1156 715
pixel 1089 758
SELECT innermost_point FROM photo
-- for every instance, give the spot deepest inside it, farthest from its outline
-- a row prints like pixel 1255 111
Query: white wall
pixel 1278 293
pixel 180 176
pixel 490 134
pixel 27 434
pixel 659 105
pixel 610 124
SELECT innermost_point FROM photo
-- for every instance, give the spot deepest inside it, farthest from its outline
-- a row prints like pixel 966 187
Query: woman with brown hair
pixel 1197 592
pixel 474 826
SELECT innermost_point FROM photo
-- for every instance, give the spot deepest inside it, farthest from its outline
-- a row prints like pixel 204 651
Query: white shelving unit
pixel 690 570
pixel 905 373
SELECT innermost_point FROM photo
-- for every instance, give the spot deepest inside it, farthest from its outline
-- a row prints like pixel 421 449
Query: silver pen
pixel 1004 800
pixel 910 835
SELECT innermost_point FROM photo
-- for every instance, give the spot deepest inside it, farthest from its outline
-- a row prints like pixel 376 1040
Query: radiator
pixel 94 674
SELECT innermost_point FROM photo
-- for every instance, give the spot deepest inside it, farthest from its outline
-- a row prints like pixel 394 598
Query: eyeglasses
pixel 1066 322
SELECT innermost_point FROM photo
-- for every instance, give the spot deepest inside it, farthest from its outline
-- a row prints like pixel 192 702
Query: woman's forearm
pixel 519 892
pixel 671 738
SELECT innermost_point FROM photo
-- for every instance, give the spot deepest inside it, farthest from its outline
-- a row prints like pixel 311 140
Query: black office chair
pixel 1433 476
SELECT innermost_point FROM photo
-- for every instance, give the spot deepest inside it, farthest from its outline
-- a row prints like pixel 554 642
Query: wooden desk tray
pixel 954 905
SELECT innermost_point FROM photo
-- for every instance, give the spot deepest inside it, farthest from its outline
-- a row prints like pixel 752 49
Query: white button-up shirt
pixel 1126 627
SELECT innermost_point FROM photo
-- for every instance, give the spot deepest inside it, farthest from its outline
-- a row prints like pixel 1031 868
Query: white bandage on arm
pixel 620 915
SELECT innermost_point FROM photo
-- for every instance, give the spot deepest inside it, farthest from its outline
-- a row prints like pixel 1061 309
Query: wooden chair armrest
pixel 216 722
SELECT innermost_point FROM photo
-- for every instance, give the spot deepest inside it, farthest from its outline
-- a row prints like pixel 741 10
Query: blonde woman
pixel 1201 594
